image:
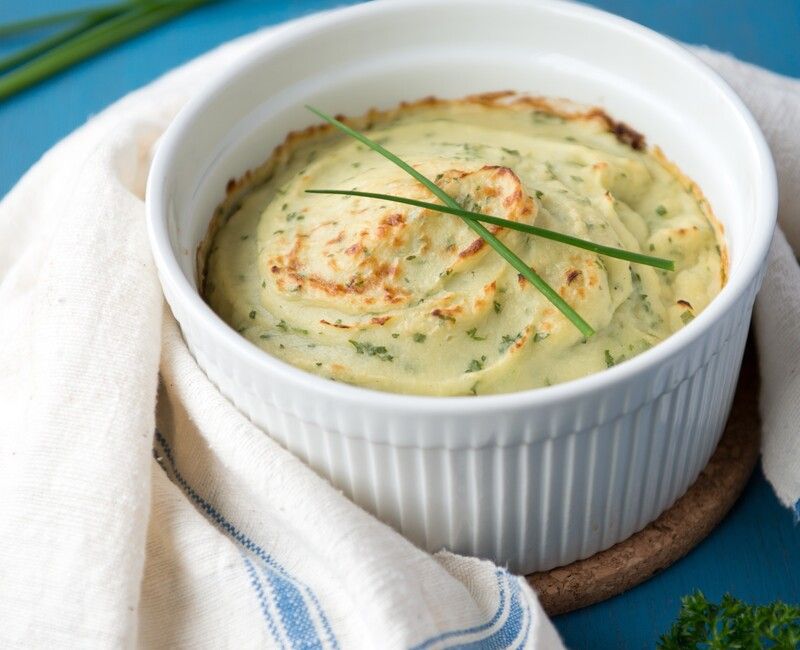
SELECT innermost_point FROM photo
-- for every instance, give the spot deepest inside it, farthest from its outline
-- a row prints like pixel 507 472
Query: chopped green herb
pixel 609 359
pixel 252 314
pixel 419 337
pixel 411 257
pixel 540 336
pixel 476 364
pixel 283 327
pixel 507 341
pixel 661 211
pixel 498 307
pixel 687 317
pixel 473 334
pixel 265 336
pixel 243 237
pixel 395 335
pixel 318 364
pixel 474 389
pixel 539 194
pixel 510 152
pixel 292 216
pixel 372 350
pixel 472 149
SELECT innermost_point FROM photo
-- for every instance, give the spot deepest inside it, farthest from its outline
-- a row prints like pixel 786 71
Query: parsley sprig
pixel 732 624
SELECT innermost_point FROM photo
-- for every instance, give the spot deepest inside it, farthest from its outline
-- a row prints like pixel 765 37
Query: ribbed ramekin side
pixel 533 505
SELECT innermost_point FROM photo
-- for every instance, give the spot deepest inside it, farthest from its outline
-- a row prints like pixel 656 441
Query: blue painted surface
pixel 755 553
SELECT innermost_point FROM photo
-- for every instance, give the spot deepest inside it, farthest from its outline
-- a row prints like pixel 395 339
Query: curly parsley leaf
pixel 732 624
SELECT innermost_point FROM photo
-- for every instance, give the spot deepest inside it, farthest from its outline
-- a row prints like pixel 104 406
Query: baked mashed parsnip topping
pixel 406 299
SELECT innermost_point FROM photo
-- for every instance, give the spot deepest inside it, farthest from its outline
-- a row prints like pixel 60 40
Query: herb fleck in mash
pixel 403 299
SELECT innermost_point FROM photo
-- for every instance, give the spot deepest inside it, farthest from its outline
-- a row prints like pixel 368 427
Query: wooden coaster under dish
pixel 677 530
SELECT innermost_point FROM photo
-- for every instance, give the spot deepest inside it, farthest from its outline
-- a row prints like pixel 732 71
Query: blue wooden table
pixel 755 553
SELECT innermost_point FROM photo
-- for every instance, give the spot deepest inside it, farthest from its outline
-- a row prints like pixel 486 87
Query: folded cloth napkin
pixel 207 533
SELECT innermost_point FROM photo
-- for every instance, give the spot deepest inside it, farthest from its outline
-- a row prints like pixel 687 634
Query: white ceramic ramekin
pixel 534 479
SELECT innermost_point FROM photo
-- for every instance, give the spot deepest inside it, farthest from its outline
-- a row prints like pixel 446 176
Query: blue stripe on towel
pixel 285 587
pixel 448 635
pixel 796 510
pixel 262 599
pixel 293 611
pixel 528 624
pixel 504 637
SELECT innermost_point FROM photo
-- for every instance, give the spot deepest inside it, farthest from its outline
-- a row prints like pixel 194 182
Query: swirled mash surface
pixel 402 299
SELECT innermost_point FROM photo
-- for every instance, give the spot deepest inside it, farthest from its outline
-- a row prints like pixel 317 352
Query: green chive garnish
pixel 506 253
pixel 609 251
pixel 98 29
pixel 31 24
pixel 32 51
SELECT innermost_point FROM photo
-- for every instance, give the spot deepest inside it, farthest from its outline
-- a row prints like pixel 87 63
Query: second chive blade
pixel 608 251
pixel 38 22
pixel 528 273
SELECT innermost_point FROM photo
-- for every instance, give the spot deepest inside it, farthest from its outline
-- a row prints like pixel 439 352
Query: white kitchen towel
pixel 775 102
pixel 208 534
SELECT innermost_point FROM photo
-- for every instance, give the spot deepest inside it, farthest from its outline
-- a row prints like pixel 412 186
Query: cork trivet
pixel 677 530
